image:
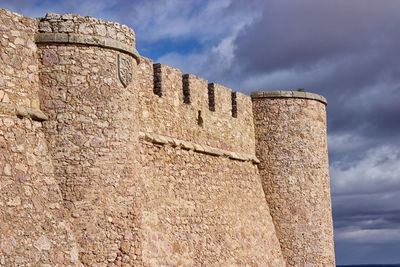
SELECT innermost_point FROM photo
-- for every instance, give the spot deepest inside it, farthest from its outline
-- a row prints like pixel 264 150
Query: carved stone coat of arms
pixel 125 69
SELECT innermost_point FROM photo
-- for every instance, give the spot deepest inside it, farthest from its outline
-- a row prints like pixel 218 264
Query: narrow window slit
pixel 186 89
pixel 211 97
pixel 234 105
pixel 157 90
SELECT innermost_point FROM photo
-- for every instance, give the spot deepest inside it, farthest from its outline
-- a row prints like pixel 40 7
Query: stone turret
pixel 87 90
pixel 290 130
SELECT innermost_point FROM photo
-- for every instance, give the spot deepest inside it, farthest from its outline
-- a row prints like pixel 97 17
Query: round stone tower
pixel 291 143
pixel 88 91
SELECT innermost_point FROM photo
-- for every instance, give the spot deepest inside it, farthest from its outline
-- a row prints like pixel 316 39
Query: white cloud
pixel 378 170
pixel 192 63
pixel 368 235
pixel 345 142
pixel 212 27
pixel 201 20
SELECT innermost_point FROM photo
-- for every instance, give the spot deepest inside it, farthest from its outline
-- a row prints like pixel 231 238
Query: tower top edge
pixel 76 29
pixel 289 94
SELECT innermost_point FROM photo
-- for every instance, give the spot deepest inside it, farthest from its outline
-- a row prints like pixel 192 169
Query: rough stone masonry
pixel 110 160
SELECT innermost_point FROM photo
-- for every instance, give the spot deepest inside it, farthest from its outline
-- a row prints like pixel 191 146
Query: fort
pixel 108 159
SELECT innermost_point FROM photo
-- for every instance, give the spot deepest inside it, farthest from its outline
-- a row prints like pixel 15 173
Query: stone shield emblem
pixel 125 69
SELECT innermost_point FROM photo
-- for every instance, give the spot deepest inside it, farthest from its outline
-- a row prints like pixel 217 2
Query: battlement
pixel 187 107
pixel 73 23
pixel 75 29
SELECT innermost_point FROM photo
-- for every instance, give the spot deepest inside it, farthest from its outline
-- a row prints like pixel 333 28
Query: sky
pixel 345 50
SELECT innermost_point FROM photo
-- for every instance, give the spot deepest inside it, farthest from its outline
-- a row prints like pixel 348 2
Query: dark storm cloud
pixel 301 33
pixel 368 211
pixel 345 50
pixel 355 43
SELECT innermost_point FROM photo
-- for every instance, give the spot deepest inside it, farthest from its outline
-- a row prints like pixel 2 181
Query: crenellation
pixel 169 115
pixel 195 91
pixel 223 102
pixel 72 23
pixel 171 87
pixel 107 159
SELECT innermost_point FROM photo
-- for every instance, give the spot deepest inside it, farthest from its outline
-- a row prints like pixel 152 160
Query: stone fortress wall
pixel 111 160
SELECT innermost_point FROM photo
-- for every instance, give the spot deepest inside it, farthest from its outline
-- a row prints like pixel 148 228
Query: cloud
pixel 378 170
pixel 301 33
pixel 184 62
pixel 370 236
pixel 218 24
pixel 157 19
pixel 365 194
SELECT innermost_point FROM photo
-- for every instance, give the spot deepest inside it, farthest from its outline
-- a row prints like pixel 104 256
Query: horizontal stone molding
pixel 166 140
pixel 74 38
pixel 22 112
pixel 288 94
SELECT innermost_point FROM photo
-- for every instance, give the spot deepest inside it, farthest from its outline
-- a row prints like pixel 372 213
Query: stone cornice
pixel 22 112
pixel 74 38
pixel 166 140
pixel 288 94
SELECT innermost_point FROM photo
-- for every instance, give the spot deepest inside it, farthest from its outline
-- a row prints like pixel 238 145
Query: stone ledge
pixel 288 94
pixel 21 112
pixel 164 140
pixel 74 38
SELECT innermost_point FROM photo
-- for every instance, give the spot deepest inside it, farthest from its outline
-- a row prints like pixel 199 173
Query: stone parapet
pixel 187 107
pixel 75 29
pixel 72 23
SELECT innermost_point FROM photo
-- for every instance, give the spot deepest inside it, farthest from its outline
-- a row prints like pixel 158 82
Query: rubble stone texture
pixel 292 147
pixel 110 160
